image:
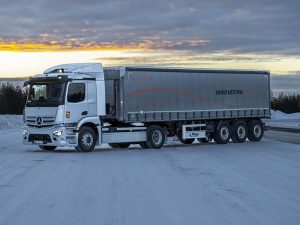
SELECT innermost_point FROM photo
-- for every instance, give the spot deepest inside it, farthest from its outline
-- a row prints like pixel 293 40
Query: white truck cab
pixel 60 101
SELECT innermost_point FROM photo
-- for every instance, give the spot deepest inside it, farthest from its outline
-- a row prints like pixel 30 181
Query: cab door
pixel 76 101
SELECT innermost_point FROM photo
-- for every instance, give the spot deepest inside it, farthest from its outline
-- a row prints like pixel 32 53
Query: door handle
pixel 84 113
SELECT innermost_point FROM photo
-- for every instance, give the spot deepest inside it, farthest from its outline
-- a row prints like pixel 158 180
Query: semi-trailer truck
pixel 84 105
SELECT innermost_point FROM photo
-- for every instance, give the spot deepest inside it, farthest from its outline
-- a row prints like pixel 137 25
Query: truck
pixel 84 105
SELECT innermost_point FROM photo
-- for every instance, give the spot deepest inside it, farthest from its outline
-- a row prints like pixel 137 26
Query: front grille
pixel 39 137
pixel 46 121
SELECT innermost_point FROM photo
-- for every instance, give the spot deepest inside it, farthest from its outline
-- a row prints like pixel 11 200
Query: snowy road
pixel 290 137
pixel 250 183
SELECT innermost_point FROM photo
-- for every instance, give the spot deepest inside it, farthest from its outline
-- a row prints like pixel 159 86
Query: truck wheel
pixel 222 133
pixel 47 148
pixel 119 145
pixel 156 136
pixel 86 139
pixel 256 130
pixel 203 140
pixel 239 132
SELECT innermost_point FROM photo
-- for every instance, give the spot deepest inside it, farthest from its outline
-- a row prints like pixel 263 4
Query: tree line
pixel 13 98
pixel 286 103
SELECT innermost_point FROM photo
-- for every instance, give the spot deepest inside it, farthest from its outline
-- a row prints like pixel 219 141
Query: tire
pixel 47 148
pixel 256 130
pixel 240 132
pixel 119 145
pixel 222 133
pixel 203 140
pixel 156 137
pixel 86 139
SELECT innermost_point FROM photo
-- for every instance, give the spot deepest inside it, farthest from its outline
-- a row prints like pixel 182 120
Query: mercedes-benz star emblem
pixel 39 120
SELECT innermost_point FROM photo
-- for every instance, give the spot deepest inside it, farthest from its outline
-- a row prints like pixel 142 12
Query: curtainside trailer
pixel 85 105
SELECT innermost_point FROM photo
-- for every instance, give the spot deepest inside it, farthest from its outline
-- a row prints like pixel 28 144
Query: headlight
pixel 58 133
pixel 24 132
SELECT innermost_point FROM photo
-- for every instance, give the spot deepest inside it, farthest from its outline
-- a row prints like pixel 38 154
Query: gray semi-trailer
pixel 127 105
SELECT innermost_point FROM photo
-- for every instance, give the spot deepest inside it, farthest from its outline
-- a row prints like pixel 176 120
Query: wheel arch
pixel 92 122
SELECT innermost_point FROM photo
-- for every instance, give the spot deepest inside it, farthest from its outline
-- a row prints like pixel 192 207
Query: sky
pixel 264 35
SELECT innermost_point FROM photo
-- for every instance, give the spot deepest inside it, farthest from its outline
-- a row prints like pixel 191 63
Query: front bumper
pixel 45 136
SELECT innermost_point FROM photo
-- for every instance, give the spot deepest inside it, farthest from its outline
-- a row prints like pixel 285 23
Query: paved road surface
pixel 285 136
pixel 250 183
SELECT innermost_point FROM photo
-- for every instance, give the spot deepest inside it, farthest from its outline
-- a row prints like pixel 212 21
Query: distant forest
pixel 286 103
pixel 13 98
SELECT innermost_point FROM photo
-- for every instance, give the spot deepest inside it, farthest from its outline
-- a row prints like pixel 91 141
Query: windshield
pixel 45 94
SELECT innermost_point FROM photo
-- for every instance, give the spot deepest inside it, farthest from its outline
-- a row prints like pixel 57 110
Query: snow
pixel 280 119
pixel 278 115
pixel 249 183
pixel 10 121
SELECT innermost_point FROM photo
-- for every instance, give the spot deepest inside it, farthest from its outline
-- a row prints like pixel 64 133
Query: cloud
pixel 288 84
pixel 46 43
pixel 199 26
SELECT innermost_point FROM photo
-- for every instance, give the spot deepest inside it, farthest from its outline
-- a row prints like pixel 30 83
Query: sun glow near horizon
pixel 25 64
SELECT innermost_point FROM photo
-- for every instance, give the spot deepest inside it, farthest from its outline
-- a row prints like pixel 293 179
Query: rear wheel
pixel 256 130
pixel 119 145
pixel 86 139
pixel 156 137
pixel 222 133
pixel 47 148
pixel 239 132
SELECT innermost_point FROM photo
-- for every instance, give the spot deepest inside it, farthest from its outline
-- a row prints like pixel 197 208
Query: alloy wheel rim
pixel 87 139
pixel 224 132
pixel 241 131
pixel 156 137
pixel 257 130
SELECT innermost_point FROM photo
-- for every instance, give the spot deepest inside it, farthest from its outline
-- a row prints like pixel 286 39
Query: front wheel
pixel 86 139
pixel 47 147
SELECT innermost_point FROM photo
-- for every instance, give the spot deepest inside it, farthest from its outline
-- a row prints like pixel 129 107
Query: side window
pixel 76 92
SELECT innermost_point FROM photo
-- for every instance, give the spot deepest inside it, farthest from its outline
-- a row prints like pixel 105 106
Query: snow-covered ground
pixel 249 183
pixel 280 119
pixel 11 121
